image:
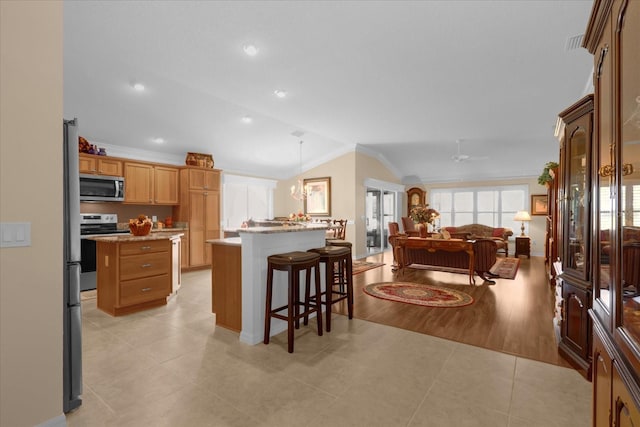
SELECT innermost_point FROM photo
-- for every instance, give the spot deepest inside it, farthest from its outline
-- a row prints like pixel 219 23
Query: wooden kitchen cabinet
pixel 203 179
pixel 100 165
pixel 226 284
pixel 165 185
pixel 184 251
pixel 200 207
pixel 149 184
pixel 133 275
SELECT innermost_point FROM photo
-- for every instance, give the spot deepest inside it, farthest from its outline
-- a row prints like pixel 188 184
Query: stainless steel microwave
pixel 101 188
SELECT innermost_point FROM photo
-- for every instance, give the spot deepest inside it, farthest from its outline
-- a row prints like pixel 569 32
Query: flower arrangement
pixel 299 217
pixel 546 177
pixel 424 214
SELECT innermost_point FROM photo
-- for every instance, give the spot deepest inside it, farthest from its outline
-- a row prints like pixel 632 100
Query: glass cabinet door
pixel 577 196
pixel 629 171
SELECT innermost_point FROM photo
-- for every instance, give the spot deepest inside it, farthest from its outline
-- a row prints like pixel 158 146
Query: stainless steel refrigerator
pixel 72 318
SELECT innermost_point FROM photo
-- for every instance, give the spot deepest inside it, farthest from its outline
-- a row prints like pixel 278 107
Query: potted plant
pixel 546 177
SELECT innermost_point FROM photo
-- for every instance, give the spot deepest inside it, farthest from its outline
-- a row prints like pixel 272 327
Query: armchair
pixel 410 227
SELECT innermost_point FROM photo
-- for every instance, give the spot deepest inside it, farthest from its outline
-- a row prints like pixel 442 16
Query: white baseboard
pixel 59 421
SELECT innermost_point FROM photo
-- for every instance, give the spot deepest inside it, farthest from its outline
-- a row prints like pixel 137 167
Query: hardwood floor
pixel 511 316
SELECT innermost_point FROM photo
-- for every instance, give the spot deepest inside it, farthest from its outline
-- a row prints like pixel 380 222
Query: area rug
pixel 362 266
pixel 413 293
pixel 506 268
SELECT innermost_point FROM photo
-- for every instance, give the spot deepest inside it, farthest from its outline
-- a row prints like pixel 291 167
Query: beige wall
pixel 31 191
pixel 367 167
pixel 347 173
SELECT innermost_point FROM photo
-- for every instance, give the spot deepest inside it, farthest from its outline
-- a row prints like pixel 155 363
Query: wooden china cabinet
pixel 553 236
pixel 575 221
pixel 613 37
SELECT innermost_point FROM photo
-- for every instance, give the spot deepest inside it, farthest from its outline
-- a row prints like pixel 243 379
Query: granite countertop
pixel 165 229
pixel 131 238
pixel 293 228
pixel 230 241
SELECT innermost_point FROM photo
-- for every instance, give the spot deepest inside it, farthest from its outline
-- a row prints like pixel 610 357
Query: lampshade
pixel 522 216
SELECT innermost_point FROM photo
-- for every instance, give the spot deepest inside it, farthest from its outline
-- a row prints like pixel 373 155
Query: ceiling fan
pixel 459 157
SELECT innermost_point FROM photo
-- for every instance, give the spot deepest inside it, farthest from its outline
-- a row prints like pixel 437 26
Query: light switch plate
pixel 15 234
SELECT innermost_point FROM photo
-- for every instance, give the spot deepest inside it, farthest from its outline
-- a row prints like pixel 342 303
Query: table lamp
pixel 522 216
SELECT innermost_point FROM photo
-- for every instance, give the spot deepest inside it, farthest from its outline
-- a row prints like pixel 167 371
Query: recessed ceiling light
pixel 138 86
pixel 280 93
pixel 247 119
pixel 158 140
pixel 250 49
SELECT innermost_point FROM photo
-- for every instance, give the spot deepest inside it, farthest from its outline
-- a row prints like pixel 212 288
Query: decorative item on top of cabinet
pixel 200 208
pixel 150 184
pixel 100 165
pixel 200 160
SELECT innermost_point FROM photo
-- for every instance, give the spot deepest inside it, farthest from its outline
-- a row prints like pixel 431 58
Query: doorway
pixel 380 207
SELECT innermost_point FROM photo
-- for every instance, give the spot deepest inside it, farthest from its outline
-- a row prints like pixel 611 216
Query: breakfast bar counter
pixel 256 244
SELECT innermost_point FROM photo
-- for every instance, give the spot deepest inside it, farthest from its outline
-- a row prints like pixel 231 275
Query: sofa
pixel 407 252
pixel 479 231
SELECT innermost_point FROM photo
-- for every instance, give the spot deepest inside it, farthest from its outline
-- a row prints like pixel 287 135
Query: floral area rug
pixel 362 266
pixel 413 293
pixel 506 268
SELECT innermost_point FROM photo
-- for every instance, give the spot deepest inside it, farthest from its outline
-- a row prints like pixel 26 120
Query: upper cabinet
pixel 148 184
pixel 100 165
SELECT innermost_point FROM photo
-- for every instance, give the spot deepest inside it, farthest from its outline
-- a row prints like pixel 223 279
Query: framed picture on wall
pixel 318 200
pixel 539 204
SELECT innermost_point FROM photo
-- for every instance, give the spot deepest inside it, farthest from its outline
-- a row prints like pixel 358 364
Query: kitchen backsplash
pixel 127 212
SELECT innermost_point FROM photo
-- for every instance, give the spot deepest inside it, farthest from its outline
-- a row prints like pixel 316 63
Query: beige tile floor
pixel 170 366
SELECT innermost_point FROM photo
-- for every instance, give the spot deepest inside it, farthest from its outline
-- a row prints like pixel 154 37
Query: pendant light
pixel 299 192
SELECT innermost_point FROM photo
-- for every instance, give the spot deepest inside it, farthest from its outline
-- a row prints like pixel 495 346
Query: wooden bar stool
pixel 339 273
pixel 293 263
pixel 330 255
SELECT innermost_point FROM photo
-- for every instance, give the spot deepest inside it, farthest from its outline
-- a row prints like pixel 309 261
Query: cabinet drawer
pixel 136 266
pixel 146 289
pixel 144 247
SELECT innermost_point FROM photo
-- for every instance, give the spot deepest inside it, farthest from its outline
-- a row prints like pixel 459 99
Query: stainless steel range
pixel 94 224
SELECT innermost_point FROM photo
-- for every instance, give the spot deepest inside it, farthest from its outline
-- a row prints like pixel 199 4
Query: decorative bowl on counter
pixel 140 226
pixel 140 229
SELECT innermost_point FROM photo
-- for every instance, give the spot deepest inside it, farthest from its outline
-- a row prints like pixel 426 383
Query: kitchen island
pixel 256 244
pixel 136 273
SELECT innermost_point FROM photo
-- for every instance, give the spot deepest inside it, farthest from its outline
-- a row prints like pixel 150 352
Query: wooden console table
pixel 428 253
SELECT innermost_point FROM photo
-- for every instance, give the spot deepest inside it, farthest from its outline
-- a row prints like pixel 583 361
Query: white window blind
pixel 492 206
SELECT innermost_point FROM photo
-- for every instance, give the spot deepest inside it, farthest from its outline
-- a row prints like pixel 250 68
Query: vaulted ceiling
pixel 399 80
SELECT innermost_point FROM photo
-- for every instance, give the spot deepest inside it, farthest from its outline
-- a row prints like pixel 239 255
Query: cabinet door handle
pixel 573 296
pixel 145 265
pixel 145 289
pixel 145 248
pixel 601 360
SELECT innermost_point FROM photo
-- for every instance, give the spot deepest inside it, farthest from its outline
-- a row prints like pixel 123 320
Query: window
pixel 246 198
pixel 495 206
